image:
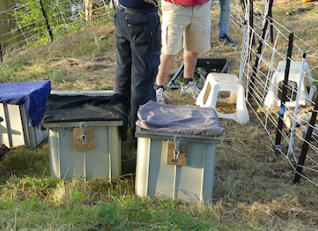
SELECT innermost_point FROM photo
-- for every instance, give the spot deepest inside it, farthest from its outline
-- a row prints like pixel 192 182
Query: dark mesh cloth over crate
pixel 183 120
pixel 62 108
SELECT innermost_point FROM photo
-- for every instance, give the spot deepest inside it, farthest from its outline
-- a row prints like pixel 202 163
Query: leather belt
pixel 135 11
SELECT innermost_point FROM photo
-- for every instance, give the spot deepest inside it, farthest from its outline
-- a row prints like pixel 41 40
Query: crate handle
pixel 177 152
pixel 83 127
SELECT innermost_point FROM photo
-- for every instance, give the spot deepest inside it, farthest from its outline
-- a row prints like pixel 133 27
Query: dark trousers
pixel 138 50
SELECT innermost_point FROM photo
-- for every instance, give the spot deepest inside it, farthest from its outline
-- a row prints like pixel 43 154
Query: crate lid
pixel 185 120
pixel 78 108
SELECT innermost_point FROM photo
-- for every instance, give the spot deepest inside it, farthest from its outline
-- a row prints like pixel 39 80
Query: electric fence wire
pixel 258 96
pixel 28 34
pixel 15 8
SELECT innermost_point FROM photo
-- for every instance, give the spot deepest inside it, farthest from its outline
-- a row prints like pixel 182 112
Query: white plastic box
pixel 191 180
pixel 93 152
pixel 15 129
pixel 102 160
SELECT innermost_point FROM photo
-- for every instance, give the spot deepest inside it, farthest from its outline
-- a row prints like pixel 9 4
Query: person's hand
pixel 153 2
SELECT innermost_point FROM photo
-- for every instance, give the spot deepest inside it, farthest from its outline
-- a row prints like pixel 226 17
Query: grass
pixel 22 161
pixel 82 56
pixel 253 188
pixel 30 199
pixel 128 214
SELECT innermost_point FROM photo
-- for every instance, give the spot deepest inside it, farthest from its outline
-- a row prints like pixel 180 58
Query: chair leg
pixel 242 112
pixel 213 97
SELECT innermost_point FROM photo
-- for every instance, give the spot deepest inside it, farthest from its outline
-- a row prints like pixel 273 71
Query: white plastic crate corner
pixel 175 166
pixel 15 129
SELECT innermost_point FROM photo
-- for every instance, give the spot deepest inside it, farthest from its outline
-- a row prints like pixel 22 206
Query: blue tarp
pixel 31 95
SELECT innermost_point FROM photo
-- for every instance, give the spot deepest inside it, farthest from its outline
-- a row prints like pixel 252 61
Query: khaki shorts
pixel 192 23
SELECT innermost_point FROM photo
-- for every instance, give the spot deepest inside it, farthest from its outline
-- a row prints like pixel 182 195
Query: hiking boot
pixel 160 95
pixel 227 40
pixel 190 89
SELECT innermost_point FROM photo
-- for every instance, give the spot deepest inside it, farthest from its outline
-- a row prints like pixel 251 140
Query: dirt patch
pixel 95 67
pixel 65 63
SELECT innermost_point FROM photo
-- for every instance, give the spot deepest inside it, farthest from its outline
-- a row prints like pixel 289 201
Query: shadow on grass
pixel 21 161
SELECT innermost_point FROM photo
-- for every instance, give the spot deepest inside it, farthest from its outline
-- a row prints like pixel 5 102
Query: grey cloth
pixel 184 120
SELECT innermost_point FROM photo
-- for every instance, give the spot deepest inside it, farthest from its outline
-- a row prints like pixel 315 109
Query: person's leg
pixel 197 34
pixel 196 41
pixel 123 52
pixel 224 19
pixel 166 62
pixel 145 31
pixel 190 61
pixel 224 22
pixel 174 19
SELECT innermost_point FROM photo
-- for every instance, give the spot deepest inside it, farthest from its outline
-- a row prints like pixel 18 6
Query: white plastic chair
pixel 217 82
pixel 295 74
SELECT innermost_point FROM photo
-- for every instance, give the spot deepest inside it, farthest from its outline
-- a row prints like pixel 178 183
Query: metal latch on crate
pixel 177 152
pixel 83 137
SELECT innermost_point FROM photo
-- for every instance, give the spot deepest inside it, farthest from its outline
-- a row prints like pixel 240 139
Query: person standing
pixel 224 22
pixel 187 20
pixel 138 33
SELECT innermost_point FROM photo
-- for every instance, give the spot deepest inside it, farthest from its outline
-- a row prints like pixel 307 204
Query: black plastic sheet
pixel 78 108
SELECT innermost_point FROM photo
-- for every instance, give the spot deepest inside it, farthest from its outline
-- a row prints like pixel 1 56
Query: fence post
pixel 259 52
pixel 271 27
pixel 284 93
pixel 304 148
pixel 251 19
pixel 46 21
pixel 88 5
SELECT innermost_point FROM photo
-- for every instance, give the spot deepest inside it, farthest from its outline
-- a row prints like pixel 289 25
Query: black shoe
pixel 226 39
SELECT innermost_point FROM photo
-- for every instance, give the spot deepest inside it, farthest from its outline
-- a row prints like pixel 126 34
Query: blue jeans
pixel 138 50
pixel 225 14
